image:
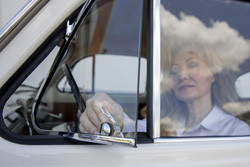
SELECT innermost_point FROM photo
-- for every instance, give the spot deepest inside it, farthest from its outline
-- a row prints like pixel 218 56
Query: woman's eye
pixel 174 72
pixel 193 64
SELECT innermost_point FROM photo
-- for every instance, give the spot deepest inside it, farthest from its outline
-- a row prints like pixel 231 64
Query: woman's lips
pixel 185 87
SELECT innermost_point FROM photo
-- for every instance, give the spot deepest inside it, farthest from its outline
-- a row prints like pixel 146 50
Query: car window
pixel 103 57
pixel 205 58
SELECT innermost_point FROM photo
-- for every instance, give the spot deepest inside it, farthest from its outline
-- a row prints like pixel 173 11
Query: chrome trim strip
pixel 16 21
pixel 108 140
pixel 199 139
pixel 17 18
pixel 156 67
pixel 130 141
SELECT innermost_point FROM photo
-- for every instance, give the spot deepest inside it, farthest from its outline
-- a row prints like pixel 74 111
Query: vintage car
pixel 56 55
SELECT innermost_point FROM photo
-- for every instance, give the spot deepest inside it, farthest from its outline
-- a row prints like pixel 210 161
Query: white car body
pixel 232 151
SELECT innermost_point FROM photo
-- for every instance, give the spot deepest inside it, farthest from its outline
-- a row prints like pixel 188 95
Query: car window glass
pixel 102 57
pixel 204 49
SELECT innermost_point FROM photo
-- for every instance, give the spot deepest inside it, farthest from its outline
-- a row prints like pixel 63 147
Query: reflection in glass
pixel 200 63
pixel 242 85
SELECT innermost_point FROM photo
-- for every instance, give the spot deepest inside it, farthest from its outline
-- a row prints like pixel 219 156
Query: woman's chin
pixel 187 98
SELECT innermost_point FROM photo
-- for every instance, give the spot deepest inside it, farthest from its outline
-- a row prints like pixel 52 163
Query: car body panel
pixel 190 153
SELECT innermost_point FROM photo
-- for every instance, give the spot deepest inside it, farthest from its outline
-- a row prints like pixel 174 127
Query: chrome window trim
pixel 19 21
pixel 201 139
pixel 156 68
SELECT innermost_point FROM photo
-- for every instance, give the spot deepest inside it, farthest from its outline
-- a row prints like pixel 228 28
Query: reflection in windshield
pixel 199 66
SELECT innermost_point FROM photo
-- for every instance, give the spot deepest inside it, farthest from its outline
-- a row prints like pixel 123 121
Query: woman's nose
pixel 183 74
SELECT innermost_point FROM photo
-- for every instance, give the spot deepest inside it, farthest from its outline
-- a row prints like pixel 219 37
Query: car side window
pixel 103 58
pixel 205 57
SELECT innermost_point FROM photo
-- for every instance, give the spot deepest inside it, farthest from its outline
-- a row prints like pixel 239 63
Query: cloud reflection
pixel 226 42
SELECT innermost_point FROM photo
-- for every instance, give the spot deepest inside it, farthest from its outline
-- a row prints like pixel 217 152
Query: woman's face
pixel 191 75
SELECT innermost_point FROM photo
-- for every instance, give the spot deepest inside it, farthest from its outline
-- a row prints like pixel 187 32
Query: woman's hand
pixel 92 118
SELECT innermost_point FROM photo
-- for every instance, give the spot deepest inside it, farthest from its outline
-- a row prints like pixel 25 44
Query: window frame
pixel 154 61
